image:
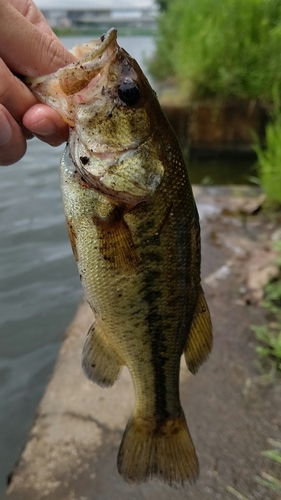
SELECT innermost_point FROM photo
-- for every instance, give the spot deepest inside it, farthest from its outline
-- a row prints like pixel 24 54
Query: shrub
pixel 229 48
pixel 269 158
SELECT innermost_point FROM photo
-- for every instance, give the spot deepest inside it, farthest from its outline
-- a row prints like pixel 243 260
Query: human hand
pixel 28 47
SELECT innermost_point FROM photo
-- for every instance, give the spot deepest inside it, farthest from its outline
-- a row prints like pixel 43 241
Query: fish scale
pixel 134 230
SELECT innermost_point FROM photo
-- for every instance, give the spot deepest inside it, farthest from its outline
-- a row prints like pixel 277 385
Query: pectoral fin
pixel 200 338
pixel 116 243
pixel 100 362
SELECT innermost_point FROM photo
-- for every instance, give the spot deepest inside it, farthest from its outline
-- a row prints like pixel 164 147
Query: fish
pixel 135 234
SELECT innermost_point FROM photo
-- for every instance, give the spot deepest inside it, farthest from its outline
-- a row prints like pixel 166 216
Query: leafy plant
pixel 163 4
pixel 269 161
pixel 229 48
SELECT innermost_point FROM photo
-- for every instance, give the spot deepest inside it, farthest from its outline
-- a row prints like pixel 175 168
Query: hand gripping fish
pixel 134 231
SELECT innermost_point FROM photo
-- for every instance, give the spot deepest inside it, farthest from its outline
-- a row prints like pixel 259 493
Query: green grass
pixel 270 349
pixel 269 335
pixel 221 49
pixel 269 158
pixel 266 479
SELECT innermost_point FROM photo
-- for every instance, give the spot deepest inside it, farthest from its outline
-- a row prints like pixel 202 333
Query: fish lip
pixel 91 62
pixel 94 63
pixel 102 44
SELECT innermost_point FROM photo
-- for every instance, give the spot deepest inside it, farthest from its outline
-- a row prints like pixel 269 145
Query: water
pixel 39 284
pixel 39 290
pixel 222 171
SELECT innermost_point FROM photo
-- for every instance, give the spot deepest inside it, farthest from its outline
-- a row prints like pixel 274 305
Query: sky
pixel 48 4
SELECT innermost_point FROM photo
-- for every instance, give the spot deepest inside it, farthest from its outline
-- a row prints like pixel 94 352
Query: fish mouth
pixel 96 47
pixel 93 58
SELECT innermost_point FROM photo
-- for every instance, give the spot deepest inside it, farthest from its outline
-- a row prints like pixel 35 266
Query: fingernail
pixel 5 129
pixel 44 127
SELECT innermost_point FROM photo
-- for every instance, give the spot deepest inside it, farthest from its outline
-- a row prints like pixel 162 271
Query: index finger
pixel 30 51
pixel 29 10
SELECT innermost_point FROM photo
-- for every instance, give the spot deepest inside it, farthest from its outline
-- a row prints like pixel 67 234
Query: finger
pixel 46 124
pixel 12 141
pixel 30 11
pixel 31 52
pixel 14 95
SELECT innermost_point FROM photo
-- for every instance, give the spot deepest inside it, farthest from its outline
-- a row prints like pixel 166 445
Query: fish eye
pixel 129 91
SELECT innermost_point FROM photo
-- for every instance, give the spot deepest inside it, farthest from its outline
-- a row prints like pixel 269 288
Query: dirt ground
pixel 239 415
pixel 233 416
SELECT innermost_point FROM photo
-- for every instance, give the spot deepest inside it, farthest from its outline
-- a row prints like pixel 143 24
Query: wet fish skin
pixel 135 234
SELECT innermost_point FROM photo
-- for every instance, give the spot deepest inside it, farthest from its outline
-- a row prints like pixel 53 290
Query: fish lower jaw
pixel 98 151
pixel 97 171
pixel 108 155
pixel 117 196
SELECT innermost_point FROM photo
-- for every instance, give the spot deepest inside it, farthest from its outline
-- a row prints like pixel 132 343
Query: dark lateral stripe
pixel 72 238
pixel 155 328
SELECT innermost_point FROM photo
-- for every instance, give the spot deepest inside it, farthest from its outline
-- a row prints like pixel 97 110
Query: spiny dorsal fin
pixel 200 338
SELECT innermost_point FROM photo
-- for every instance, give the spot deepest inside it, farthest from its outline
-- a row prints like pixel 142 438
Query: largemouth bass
pixel 134 231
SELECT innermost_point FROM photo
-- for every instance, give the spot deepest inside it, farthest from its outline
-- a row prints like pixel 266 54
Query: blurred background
pixel 216 67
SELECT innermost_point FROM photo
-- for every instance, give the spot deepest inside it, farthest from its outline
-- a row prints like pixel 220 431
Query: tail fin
pixel 161 449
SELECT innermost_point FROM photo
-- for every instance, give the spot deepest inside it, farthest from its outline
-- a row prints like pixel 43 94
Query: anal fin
pixel 200 338
pixel 100 362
